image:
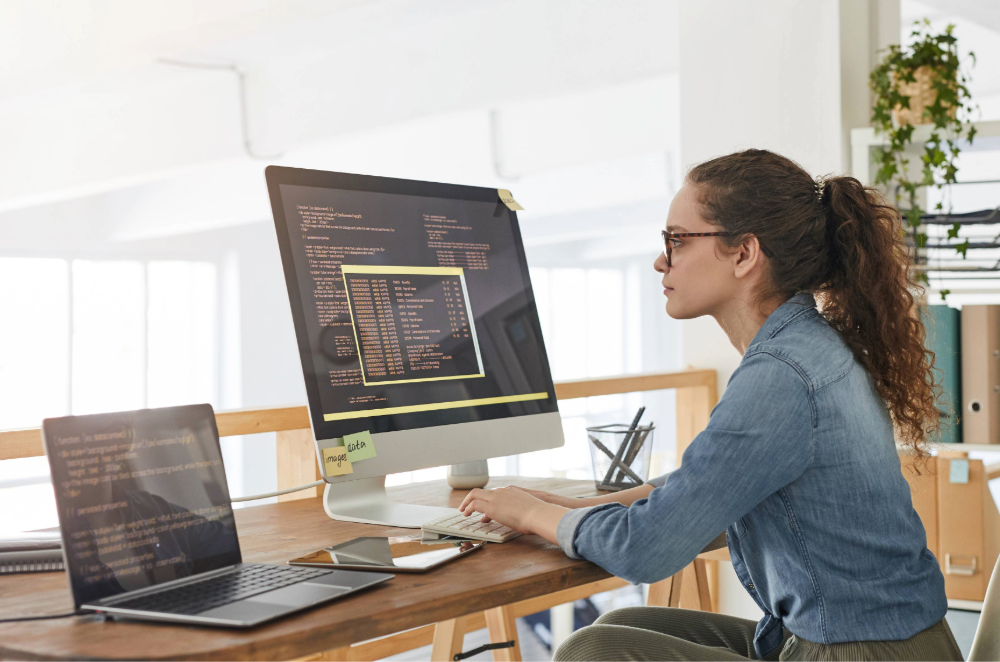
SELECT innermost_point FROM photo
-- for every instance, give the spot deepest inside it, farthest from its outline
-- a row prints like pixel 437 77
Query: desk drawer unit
pixel 968 528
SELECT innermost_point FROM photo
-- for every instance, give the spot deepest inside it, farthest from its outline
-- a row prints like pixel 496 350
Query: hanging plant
pixel 922 83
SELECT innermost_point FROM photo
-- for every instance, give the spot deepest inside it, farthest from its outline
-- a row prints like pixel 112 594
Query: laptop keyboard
pixel 196 597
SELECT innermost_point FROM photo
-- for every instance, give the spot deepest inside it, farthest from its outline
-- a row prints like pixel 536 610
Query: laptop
pixel 148 529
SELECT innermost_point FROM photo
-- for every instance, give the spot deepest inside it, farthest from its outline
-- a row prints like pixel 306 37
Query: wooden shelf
pixel 962 448
pixel 864 139
pixel 967 448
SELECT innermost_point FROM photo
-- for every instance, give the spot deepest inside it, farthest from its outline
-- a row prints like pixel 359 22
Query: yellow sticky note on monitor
pixel 508 199
pixel 336 462
pixel 359 446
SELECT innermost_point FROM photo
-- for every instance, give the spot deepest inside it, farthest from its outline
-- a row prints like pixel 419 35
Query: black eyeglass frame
pixel 669 236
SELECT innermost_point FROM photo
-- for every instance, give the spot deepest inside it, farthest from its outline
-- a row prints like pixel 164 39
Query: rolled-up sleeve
pixel 568 524
pixel 659 481
pixel 759 439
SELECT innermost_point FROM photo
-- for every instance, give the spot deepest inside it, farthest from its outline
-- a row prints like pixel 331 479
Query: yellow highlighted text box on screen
pixel 435 406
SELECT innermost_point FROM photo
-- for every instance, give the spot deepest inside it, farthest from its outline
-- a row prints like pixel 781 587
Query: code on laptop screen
pixel 142 498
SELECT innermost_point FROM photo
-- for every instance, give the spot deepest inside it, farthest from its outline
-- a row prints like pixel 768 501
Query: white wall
pixel 784 75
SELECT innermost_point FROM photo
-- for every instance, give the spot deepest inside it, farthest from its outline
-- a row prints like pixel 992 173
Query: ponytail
pixel 868 297
pixel 839 240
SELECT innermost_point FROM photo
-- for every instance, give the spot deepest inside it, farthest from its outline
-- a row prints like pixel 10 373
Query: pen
pixel 634 452
pixel 604 449
pixel 621 448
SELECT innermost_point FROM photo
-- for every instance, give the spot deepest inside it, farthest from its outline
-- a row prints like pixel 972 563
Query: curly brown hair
pixel 841 241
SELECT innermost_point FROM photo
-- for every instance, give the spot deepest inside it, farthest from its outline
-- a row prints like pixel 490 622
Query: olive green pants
pixel 662 633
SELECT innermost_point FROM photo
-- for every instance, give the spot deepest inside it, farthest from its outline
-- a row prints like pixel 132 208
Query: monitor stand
pixel 366 501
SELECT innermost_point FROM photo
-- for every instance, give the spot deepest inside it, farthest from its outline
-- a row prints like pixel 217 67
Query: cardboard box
pixel 922 477
pixel 968 527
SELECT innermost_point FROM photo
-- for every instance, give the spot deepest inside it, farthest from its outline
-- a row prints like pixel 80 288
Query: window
pixel 182 332
pixel 583 313
pixel 108 327
pixel 86 336
pixel 34 375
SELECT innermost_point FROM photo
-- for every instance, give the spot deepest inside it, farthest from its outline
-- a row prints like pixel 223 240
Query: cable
pixel 279 492
pixel 37 618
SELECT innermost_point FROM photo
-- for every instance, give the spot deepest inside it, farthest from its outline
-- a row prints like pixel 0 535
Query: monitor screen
pixel 142 498
pixel 411 300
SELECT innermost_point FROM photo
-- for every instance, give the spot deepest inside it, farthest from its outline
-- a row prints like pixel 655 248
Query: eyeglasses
pixel 670 237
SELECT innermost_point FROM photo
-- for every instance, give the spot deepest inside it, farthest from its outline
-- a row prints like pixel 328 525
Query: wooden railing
pixel 696 395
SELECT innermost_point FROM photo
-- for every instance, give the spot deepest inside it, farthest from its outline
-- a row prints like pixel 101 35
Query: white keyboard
pixel 469 527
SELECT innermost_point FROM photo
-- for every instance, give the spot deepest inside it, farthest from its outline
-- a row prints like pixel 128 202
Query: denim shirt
pixel 798 464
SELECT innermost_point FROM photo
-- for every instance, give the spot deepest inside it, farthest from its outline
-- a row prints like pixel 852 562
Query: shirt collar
pixel 782 315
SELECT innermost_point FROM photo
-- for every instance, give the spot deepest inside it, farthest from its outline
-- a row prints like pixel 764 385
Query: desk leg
pixel 696 595
pixel 701 580
pixel 666 592
pixel 502 627
pixel 448 638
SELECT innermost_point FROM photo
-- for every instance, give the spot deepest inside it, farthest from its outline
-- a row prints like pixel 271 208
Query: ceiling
pixel 96 125
pixel 88 103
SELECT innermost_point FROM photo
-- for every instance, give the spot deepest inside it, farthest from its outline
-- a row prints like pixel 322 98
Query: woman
pixel 798 463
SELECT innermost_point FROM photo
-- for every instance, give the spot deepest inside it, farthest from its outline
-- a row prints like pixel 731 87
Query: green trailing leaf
pixel 949 115
pixel 944 293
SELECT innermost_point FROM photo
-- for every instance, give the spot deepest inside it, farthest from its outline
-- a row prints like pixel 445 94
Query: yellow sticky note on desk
pixel 359 446
pixel 336 462
pixel 507 198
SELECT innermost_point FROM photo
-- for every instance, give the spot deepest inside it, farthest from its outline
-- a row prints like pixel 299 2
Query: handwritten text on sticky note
pixel 508 199
pixel 359 446
pixel 336 462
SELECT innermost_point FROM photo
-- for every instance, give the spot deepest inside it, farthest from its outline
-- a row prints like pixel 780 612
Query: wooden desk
pixel 525 568
pixel 291 531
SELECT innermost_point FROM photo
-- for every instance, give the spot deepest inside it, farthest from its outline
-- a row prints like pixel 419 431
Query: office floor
pixel 963 625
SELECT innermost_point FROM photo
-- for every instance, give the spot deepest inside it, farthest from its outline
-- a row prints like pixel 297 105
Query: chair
pixel 986 644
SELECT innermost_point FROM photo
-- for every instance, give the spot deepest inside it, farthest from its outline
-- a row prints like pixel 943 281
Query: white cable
pixel 279 492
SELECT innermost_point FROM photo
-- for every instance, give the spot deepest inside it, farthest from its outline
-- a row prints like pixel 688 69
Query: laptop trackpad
pixel 298 595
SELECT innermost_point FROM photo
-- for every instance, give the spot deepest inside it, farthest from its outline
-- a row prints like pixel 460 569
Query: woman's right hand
pixel 559 500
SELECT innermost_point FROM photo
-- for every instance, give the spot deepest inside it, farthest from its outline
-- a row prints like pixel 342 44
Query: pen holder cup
pixel 620 456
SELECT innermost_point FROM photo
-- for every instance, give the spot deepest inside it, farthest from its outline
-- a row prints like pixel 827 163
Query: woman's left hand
pixel 513 507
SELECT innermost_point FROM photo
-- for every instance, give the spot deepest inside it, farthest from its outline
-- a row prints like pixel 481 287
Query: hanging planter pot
pixel 922 93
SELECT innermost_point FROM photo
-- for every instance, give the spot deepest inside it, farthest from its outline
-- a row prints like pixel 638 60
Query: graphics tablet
pixel 400 554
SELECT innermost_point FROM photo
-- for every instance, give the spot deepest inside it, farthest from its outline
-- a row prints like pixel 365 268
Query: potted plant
pixel 922 83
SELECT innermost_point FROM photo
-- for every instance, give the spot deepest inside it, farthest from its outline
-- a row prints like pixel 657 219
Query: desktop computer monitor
pixel 415 321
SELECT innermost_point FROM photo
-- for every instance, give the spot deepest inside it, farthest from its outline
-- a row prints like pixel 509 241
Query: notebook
pixel 31 551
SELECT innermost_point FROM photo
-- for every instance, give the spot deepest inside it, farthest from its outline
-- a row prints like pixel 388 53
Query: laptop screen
pixel 142 498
